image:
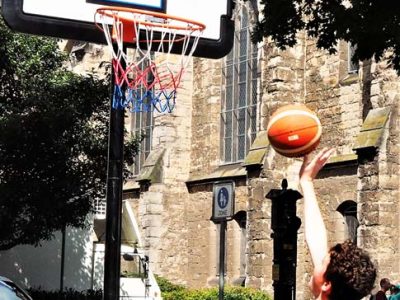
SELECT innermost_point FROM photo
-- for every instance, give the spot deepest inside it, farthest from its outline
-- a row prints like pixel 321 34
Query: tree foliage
pixel 372 25
pixel 53 140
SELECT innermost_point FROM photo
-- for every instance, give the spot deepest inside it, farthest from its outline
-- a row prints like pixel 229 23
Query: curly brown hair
pixel 350 272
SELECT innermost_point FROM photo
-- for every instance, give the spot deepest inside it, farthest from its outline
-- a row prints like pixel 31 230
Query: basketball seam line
pixel 304 128
pixel 288 151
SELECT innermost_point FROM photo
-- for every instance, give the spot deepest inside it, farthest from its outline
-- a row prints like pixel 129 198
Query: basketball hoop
pixel 142 83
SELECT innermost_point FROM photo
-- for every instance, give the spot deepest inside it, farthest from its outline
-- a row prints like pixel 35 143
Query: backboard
pixel 74 19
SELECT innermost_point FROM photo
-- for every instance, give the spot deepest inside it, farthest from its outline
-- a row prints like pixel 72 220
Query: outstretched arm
pixel 314 227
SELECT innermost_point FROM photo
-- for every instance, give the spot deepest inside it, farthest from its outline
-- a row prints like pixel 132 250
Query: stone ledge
pixel 152 168
pixel 342 159
pixel 257 151
pixel 222 172
pixel 372 130
pixel 344 164
pixel 349 79
pixel 131 184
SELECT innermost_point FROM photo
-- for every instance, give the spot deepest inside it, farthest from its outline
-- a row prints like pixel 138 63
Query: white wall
pixel 41 266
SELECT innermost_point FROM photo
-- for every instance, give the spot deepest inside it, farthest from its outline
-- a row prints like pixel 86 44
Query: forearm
pixel 314 227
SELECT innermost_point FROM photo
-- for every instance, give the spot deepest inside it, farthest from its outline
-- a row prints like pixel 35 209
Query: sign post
pixel 223 210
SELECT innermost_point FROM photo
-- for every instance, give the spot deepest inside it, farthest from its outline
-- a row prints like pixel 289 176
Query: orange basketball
pixel 294 130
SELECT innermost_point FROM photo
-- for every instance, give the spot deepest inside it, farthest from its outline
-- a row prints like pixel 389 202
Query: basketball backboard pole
pixel 112 255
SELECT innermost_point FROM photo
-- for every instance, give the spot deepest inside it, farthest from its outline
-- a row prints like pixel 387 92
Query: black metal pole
pixel 62 258
pixel 112 256
pixel 284 224
pixel 222 259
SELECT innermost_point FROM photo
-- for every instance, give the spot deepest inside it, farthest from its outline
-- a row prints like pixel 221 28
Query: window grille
pixel 142 123
pixel 239 94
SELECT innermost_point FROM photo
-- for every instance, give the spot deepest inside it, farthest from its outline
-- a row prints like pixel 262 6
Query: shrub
pixel 69 294
pixel 167 286
pixel 242 293
pixel 171 291
pixel 230 293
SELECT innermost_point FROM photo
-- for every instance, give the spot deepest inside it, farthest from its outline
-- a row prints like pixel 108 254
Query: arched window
pixel 239 90
pixel 348 209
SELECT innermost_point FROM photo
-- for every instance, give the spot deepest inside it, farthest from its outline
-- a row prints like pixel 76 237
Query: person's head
pixel 385 284
pixel 350 272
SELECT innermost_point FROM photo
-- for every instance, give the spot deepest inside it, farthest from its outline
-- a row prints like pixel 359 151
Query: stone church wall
pixel 174 213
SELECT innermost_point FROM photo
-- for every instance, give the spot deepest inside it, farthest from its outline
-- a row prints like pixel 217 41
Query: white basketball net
pixel 141 82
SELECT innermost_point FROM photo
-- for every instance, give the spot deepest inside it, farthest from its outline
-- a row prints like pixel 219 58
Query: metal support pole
pixel 112 256
pixel 284 224
pixel 62 258
pixel 222 259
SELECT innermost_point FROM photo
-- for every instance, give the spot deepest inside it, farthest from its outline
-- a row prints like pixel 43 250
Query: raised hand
pixel 310 168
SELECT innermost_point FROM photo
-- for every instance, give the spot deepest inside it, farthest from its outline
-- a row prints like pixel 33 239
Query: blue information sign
pixel 223 201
